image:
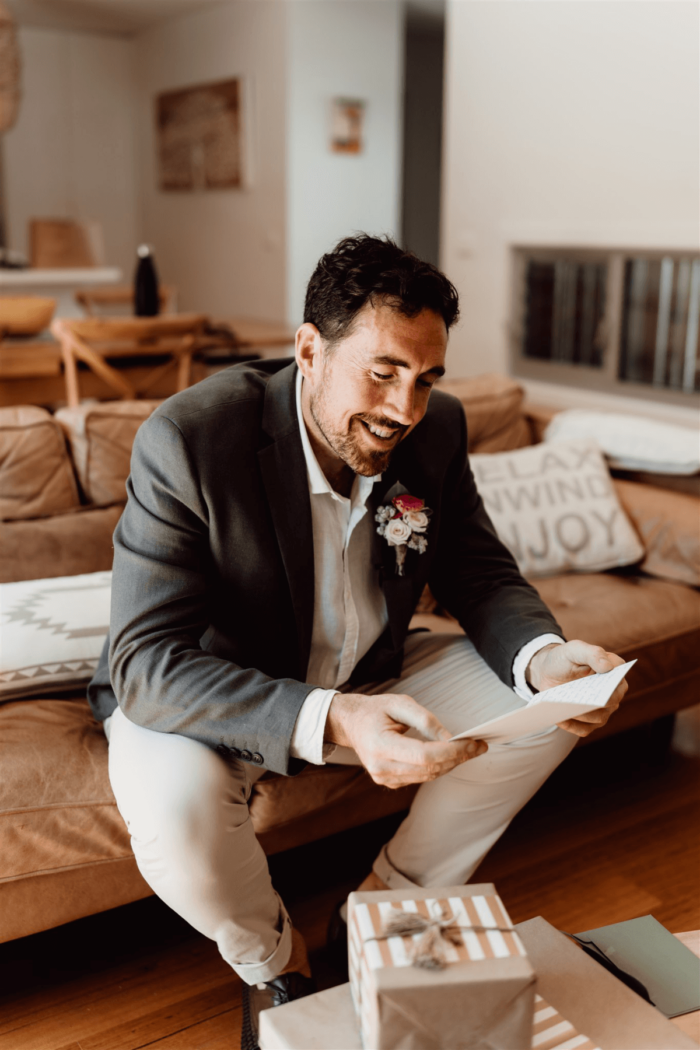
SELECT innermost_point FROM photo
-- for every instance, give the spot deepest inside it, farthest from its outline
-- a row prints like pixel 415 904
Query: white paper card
pixel 551 706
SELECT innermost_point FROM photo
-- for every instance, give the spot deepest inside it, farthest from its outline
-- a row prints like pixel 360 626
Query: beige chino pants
pixel 186 808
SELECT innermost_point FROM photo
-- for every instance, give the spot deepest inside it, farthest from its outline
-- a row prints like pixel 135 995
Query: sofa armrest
pixel 538 417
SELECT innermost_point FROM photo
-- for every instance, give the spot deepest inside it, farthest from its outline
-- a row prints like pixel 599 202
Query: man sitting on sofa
pixel 282 521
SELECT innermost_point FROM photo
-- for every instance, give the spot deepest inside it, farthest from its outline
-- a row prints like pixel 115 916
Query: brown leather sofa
pixel 64 849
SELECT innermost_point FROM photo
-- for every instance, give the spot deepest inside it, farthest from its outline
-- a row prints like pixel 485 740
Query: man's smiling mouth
pixel 383 433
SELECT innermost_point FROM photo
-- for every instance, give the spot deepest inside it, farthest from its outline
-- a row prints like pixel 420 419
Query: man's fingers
pixel 408 712
pixel 585 724
pixel 417 761
pixel 436 756
pixel 594 656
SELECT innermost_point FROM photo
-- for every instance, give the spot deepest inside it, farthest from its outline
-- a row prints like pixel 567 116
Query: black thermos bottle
pixel 146 298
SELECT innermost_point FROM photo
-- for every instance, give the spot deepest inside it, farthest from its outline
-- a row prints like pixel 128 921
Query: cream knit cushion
pixel 554 507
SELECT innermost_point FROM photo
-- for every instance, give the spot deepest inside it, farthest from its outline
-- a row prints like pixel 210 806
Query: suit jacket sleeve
pixel 162 676
pixel 476 579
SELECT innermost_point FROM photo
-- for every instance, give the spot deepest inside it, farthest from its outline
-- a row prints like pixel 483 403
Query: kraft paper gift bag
pixel 479 993
pixel 327 1021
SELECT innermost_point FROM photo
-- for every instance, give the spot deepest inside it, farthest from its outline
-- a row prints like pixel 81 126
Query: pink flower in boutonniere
pixel 402 524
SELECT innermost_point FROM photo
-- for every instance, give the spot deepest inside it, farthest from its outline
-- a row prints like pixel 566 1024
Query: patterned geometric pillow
pixel 51 633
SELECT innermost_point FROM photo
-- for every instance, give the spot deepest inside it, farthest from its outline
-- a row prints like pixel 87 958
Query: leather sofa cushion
pixel 64 545
pixel 57 809
pixel 493 405
pixel 36 476
pixel 656 622
pixel 669 526
pixel 100 438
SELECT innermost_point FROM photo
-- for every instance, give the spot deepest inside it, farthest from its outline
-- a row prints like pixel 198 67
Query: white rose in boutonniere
pixel 417 519
pixel 397 532
pixel 402 523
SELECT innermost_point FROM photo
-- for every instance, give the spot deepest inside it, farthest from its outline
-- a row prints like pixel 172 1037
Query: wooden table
pixel 259 335
pixel 31 370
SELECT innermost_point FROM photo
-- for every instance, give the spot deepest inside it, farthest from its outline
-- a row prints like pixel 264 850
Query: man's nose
pixel 401 404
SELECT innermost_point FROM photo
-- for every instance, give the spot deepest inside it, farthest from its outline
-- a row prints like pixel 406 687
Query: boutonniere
pixel 403 523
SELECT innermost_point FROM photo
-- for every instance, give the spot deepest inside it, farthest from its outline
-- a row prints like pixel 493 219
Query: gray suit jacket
pixel 213 584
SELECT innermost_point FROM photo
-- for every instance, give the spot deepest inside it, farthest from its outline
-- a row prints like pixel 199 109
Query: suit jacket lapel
pixel 284 475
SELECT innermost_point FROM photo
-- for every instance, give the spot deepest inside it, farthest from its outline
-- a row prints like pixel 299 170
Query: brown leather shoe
pixel 256 998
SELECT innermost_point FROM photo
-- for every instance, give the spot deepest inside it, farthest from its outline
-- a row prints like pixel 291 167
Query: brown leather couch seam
pixel 57 805
pixel 637 694
pixel 68 867
pixel 80 509
pixel 677 635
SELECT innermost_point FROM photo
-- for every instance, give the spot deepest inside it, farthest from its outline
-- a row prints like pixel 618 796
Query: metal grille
pixel 659 337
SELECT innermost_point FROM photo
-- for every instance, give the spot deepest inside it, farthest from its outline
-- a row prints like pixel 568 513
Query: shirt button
pixel 234 751
pixel 246 756
pixel 257 758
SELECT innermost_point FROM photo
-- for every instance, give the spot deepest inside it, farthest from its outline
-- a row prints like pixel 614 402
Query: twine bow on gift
pixel 428 952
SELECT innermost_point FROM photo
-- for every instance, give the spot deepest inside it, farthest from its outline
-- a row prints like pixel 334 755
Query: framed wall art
pixel 200 137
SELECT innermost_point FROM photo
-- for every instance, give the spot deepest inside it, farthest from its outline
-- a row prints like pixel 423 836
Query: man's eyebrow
pixel 387 359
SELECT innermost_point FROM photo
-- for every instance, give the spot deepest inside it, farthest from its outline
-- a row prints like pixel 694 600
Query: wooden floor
pixel 613 835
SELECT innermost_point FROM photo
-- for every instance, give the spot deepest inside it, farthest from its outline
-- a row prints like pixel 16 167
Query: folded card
pixel 552 706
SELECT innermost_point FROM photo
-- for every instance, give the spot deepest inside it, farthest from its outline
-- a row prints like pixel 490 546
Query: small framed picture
pixel 347 120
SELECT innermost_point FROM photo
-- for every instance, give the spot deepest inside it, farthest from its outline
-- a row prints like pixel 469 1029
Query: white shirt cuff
pixel 307 738
pixel 522 660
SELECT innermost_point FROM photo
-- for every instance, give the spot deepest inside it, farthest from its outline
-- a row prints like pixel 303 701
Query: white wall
pixel 223 249
pixel 71 152
pixel 566 123
pixel 346 48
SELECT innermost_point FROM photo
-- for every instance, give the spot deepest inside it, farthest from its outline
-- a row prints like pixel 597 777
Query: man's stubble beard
pixel 360 461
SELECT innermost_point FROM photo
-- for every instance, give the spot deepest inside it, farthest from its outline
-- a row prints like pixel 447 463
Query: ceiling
pixel 119 17
pixel 128 17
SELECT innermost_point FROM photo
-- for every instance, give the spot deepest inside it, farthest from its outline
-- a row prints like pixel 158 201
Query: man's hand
pixel 556 664
pixel 374 726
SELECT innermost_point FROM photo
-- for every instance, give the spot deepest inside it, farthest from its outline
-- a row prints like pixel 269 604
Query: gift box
pixel 438 970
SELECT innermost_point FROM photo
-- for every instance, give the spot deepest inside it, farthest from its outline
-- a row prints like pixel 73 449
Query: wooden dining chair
pixel 96 301
pixel 98 341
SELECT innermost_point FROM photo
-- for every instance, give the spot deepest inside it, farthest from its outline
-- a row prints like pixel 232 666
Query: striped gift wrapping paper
pixel 369 951
pixel 550 1031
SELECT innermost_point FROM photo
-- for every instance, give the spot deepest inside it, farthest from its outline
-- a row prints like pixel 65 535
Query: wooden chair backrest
pixel 93 340
pixel 138 329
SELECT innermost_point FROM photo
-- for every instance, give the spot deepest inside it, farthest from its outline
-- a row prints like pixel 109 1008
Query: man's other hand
pixel 374 726
pixel 556 664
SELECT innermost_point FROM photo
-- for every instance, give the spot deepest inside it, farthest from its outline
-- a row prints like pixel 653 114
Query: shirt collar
pixel 318 483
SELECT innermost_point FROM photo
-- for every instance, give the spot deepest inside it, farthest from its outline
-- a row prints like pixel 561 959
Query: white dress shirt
pixel 349 606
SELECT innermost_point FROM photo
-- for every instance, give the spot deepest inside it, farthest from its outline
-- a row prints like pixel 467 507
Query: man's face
pixel 366 394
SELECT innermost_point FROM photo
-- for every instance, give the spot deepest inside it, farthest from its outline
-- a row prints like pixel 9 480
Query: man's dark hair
pixel 365 269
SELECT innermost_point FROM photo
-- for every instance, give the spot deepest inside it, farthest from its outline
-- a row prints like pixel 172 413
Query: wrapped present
pixel 438 970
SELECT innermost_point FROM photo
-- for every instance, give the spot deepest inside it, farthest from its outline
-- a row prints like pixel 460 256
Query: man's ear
pixel 308 350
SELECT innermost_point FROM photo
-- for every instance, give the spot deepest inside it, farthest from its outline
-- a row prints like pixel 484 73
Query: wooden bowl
pixel 25 314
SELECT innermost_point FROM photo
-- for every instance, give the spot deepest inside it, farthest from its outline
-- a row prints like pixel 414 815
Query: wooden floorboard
pixel 611 836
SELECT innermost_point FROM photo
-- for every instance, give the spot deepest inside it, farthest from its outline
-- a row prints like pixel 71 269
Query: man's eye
pixel 427 384
pixel 379 375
